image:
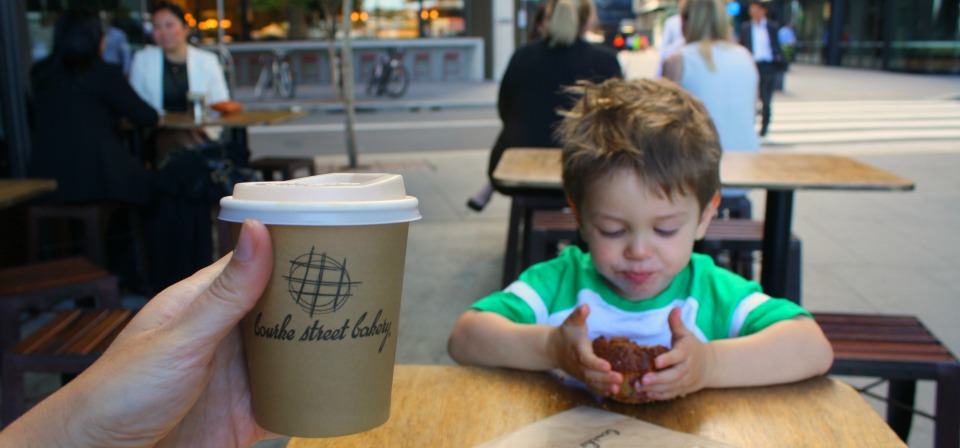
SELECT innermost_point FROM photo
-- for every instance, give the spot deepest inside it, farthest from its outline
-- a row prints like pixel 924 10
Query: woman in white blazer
pixel 163 74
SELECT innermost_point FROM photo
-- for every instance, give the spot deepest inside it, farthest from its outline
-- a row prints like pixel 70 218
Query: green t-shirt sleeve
pixel 771 312
pixel 508 305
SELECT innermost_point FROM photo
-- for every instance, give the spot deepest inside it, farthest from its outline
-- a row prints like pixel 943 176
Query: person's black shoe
pixel 763 132
pixel 479 199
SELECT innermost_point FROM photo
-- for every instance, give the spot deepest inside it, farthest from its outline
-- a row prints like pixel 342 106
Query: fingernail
pixel 244 250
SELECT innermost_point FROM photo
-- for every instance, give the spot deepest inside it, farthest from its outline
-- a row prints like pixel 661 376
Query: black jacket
pixel 531 91
pixel 77 140
pixel 746 39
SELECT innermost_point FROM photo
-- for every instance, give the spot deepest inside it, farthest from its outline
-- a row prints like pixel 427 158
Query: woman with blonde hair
pixel 719 72
pixel 531 91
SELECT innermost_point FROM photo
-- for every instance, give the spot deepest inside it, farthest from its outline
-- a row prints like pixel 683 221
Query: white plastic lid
pixel 336 199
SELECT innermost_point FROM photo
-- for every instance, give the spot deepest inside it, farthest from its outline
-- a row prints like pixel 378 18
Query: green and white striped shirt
pixel 715 303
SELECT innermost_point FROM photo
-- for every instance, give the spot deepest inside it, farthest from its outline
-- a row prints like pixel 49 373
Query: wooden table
pixel 15 191
pixel 237 122
pixel 441 406
pixel 536 170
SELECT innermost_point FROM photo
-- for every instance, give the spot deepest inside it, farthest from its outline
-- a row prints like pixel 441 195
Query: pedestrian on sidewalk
pixel 723 76
pixel 531 92
pixel 759 35
pixel 788 43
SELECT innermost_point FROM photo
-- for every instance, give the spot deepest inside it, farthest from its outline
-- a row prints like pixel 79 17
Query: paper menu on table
pixel 588 427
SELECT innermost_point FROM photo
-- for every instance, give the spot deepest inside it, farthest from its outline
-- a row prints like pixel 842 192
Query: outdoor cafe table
pixel 454 406
pixel 539 170
pixel 15 191
pixel 237 122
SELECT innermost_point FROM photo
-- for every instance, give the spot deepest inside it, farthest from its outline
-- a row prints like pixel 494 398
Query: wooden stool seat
pixel 283 168
pixel 900 350
pixel 68 343
pixel 41 285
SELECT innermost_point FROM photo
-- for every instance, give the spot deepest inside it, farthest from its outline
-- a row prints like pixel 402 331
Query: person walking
pixel 759 35
pixel 788 43
pixel 531 91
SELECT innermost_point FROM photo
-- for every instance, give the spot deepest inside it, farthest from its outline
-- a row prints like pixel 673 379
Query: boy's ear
pixel 707 216
pixel 576 213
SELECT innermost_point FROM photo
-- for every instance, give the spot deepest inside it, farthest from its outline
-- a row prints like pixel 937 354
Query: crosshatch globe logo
pixel 320 284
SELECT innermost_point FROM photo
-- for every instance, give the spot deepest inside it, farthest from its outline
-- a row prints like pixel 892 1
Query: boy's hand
pixel 687 365
pixel 572 351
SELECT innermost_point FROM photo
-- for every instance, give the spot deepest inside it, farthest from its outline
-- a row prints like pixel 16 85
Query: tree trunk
pixel 348 90
pixel 332 55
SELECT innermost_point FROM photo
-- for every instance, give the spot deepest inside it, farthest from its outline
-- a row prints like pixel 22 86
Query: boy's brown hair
pixel 655 128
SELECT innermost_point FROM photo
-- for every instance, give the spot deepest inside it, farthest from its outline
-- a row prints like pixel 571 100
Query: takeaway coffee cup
pixel 321 341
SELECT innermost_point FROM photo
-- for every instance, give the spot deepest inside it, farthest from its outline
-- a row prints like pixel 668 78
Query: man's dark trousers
pixel 768 77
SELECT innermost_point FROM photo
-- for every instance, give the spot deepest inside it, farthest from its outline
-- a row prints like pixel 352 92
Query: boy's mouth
pixel 638 277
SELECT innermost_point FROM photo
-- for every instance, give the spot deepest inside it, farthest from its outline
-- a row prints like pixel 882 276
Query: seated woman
pixel 163 75
pixel 78 102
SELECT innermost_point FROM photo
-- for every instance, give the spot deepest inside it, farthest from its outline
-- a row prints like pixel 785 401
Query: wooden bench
pixel 900 350
pixel 68 343
pixel 39 286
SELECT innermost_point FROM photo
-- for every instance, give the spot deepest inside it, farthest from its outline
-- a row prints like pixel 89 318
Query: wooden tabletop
pixel 440 406
pixel 246 118
pixel 15 191
pixel 541 168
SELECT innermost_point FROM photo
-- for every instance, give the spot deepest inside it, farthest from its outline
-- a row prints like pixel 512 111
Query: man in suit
pixel 759 36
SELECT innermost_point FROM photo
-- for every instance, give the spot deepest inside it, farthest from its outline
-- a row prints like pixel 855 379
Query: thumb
pixel 579 316
pixel 217 310
pixel 677 327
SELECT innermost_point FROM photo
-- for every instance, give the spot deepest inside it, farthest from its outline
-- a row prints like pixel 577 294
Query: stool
pixel 421 65
pixel 68 343
pixel 451 64
pixel 548 229
pixel 899 350
pixel 40 285
pixel 95 219
pixel 283 168
pixel 745 235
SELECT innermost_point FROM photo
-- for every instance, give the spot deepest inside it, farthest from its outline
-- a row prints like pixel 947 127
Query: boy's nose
pixel 638 249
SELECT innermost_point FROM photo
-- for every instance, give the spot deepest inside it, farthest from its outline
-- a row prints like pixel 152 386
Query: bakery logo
pixel 319 284
pixel 322 285
pixel 597 441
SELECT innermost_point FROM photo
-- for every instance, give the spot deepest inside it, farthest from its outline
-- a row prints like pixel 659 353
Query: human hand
pixel 176 374
pixel 572 351
pixel 684 369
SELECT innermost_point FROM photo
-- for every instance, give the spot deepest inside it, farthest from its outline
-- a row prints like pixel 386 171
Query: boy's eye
pixel 611 233
pixel 666 232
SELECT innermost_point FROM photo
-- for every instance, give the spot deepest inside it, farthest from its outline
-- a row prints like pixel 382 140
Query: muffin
pixel 632 361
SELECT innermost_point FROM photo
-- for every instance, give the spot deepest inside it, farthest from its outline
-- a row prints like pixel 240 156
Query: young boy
pixel 641 169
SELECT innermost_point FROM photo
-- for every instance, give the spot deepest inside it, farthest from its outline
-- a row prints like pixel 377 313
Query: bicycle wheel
pixel 286 85
pixel 399 82
pixel 263 83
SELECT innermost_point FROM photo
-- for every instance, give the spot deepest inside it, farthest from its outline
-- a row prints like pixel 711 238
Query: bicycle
pixel 276 72
pixel 389 76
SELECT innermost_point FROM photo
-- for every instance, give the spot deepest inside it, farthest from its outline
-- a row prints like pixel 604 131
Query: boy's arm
pixel 784 352
pixel 489 339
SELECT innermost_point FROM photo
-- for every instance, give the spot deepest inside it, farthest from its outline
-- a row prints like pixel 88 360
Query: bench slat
pixel 97 333
pixel 38 339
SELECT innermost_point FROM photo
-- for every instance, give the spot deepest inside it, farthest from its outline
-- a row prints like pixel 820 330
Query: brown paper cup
pixel 321 342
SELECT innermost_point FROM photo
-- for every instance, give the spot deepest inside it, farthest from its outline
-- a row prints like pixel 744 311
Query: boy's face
pixel 639 241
